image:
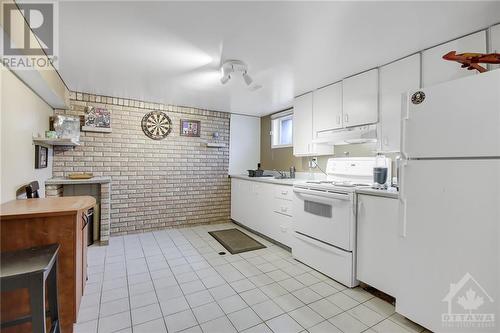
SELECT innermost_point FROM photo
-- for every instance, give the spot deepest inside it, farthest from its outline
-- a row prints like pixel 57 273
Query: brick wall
pixel 155 184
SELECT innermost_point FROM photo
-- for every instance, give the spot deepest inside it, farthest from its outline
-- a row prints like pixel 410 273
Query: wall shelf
pixel 55 142
pixel 215 145
pixel 96 129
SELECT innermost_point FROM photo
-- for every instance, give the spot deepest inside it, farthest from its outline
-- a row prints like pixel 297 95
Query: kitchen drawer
pixel 329 260
pixel 283 192
pixel 282 229
pixel 283 207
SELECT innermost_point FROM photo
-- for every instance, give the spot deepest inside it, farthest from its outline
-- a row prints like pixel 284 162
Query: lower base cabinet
pixel 263 207
pixel 377 238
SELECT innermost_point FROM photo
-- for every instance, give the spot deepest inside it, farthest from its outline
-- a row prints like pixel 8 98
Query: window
pixel 282 129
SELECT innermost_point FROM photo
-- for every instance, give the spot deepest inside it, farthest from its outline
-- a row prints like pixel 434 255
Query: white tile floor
pixel 174 280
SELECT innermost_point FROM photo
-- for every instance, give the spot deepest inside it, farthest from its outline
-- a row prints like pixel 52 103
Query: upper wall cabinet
pixel 327 108
pixel 360 99
pixel 302 124
pixel 495 42
pixel 303 129
pixel 395 79
pixel 436 70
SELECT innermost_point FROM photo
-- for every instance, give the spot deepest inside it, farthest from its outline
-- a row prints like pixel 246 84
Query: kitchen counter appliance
pixel 324 218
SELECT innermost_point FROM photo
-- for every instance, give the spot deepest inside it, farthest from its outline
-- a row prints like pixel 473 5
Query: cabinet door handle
pixel 284 209
pixel 346 118
pixel 338 120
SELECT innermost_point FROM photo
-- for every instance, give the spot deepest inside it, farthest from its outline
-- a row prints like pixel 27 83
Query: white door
pixel 395 79
pixel 302 124
pixel 436 70
pixel 460 118
pixel 325 216
pixel 327 108
pixel 244 143
pixel 495 42
pixel 377 238
pixel 360 99
pixel 449 227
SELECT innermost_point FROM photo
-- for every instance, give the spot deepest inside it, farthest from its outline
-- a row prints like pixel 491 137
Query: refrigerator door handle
pixel 402 217
pixel 402 200
pixel 404 119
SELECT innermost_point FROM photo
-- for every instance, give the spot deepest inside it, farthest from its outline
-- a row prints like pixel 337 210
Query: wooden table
pixel 36 222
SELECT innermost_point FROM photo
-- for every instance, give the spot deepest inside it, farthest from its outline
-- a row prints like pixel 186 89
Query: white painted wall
pixel 244 143
pixel 22 115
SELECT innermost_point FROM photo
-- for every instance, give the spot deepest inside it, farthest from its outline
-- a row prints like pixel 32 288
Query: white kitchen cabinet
pixel 495 42
pixel 437 70
pixel 360 99
pixel 303 129
pixel 395 79
pixel 327 108
pixel 240 194
pixel 302 124
pixel 377 237
pixel 258 206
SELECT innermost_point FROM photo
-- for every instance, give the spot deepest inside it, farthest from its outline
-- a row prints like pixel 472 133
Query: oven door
pixel 325 216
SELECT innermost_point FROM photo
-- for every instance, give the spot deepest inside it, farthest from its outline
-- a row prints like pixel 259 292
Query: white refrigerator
pixel 449 226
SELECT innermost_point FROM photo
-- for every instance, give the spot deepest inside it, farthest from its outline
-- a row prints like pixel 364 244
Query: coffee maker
pixel 381 172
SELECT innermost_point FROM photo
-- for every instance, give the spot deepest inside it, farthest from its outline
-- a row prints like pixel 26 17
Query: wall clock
pixel 156 125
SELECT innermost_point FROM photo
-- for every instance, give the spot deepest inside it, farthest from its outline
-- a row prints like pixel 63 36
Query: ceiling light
pixel 247 78
pixel 225 78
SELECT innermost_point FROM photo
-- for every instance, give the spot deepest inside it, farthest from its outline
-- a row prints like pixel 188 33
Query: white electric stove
pixel 324 218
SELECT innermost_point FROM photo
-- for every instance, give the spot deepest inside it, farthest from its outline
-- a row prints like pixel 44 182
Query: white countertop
pixel 291 182
pixel 380 193
pixel 67 181
pixel 271 180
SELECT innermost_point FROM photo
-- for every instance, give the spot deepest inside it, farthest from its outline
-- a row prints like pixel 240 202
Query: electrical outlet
pixel 313 163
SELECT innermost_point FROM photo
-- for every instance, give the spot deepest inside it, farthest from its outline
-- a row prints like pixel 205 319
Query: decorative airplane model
pixel 471 60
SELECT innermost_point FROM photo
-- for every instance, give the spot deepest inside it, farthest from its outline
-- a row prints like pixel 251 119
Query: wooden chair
pixel 32 190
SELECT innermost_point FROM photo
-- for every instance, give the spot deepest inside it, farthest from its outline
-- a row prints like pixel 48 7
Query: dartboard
pixel 156 125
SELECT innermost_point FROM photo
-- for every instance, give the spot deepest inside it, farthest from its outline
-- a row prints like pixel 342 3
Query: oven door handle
pixel 313 195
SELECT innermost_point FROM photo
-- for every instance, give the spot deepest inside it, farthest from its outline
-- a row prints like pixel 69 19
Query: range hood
pixel 344 136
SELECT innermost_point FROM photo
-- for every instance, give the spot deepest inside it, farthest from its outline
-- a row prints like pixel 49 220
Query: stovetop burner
pixel 340 184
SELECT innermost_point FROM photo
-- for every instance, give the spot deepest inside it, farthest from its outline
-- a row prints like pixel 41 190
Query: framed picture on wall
pixel 97 120
pixel 41 157
pixel 190 127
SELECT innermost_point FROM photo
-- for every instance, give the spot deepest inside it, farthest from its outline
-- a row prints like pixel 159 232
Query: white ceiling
pixel 168 52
